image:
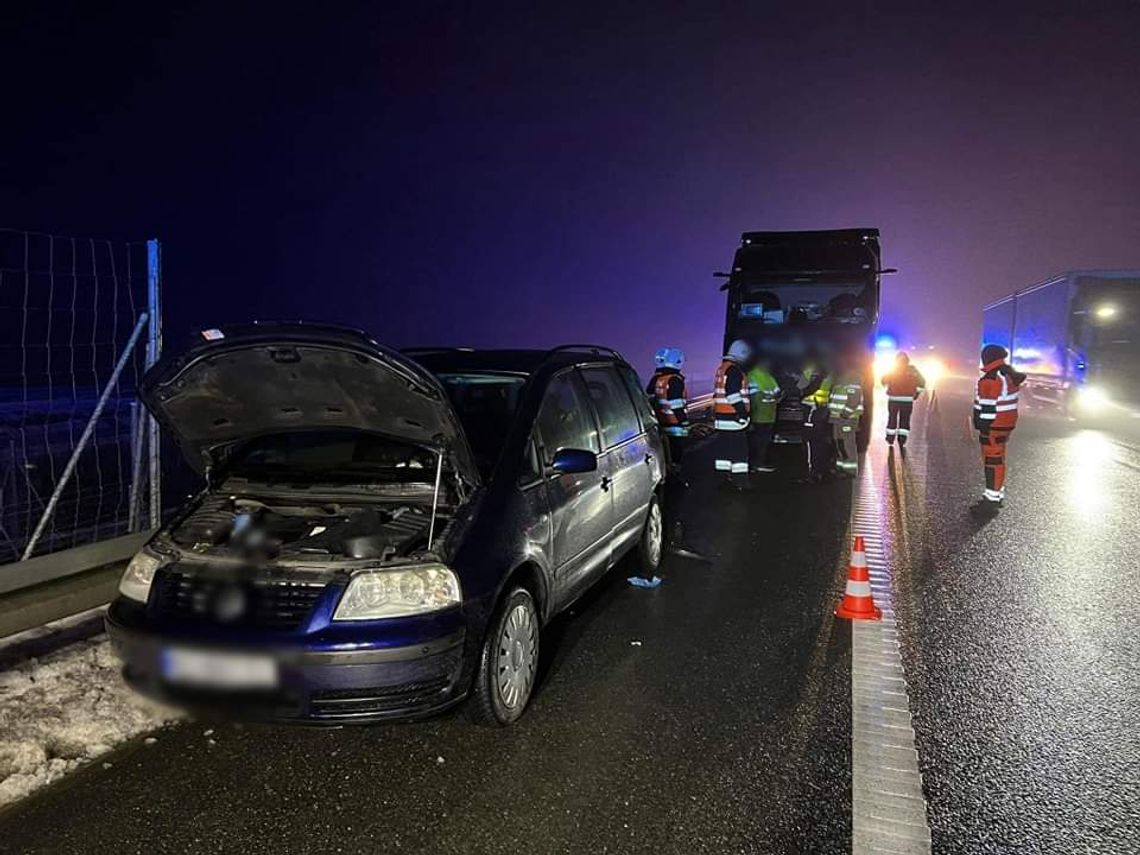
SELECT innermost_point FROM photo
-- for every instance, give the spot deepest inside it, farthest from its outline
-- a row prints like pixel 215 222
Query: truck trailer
pixel 802 298
pixel 1077 336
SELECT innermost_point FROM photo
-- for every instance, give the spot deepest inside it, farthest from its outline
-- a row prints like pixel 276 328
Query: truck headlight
pixel 1092 399
pixel 398 592
pixel 932 370
pixel 139 575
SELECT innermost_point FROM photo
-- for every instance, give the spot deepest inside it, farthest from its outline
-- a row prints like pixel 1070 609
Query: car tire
pixel 508 662
pixel 651 545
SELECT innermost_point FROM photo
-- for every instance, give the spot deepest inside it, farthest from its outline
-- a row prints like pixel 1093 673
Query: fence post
pixel 153 351
pixel 84 438
pixel 138 442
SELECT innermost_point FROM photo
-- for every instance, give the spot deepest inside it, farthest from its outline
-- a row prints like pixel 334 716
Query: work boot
pixel 890 440
pixel 986 507
pixel 677 546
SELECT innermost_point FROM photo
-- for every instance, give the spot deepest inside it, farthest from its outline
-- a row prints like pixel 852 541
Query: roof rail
pixel 595 349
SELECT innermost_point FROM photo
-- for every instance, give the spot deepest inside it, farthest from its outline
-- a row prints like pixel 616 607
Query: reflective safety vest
pixel 846 401
pixel 667 390
pixel 765 394
pixel 822 394
pixel 995 403
pixel 730 397
pixel 905 385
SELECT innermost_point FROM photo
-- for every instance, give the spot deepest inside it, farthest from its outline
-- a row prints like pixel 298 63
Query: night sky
pixel 462 173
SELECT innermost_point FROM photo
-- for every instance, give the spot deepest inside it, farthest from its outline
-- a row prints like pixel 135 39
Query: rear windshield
pixel 330 456
pixel 486 405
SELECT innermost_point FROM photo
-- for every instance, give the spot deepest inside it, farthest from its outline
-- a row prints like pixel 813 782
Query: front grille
pixel 274 605
pixel 334 703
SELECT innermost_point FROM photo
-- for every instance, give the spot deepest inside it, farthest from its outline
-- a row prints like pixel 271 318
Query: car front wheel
pixel 508 663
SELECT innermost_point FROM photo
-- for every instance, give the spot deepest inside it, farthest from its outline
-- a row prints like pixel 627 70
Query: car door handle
pixel 648 459
pixel 606 481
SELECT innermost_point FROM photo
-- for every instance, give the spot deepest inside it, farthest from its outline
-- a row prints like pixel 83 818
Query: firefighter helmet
pixel 739 351
pixel 669 357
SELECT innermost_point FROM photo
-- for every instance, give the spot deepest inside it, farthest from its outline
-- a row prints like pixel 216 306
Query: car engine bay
pixel 256 529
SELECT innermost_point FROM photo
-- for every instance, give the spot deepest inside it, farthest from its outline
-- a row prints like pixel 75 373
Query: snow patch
pixel 63 710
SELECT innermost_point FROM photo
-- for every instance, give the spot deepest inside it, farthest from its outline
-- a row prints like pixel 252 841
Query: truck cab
pixel 806 299
pixel 1077 336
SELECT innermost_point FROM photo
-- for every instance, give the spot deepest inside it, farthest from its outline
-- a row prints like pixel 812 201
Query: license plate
pixel 219 670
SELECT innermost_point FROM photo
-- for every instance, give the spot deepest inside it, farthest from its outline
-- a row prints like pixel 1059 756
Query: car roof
pixel 514 361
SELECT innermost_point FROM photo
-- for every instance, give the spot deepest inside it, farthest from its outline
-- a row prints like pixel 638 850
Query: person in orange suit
pixel 995 417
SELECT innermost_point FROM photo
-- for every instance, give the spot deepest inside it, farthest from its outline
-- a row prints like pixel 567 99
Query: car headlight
pixel 1092 398
pixel 139 575
pixel 398 592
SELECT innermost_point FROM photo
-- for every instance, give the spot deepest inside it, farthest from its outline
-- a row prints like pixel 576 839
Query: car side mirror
pixel 570 461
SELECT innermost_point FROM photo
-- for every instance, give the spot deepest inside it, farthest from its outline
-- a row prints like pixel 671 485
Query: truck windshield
pixel 804 302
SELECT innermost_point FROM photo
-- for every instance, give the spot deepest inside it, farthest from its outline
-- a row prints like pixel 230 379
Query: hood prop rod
pixel 435 498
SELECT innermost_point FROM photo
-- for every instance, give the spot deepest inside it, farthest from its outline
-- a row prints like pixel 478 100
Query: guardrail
pixel 68 562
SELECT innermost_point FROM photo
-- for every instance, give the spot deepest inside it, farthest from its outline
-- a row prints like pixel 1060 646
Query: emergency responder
pixel 765 393
pixel 667 392
pixel 731 415
pixel 846 405
pixel 904 384
pixel 817 431
pixel 995 417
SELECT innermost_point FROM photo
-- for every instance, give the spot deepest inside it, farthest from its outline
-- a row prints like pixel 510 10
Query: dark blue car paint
pixel 497 539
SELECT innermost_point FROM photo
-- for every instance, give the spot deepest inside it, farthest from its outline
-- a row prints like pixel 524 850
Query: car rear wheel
pixel 652 540
pixel 508 663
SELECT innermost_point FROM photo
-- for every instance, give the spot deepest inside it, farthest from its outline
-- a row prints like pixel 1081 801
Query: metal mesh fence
pixel 68 309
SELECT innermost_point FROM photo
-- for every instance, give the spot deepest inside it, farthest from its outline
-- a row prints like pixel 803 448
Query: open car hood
pixel 272 378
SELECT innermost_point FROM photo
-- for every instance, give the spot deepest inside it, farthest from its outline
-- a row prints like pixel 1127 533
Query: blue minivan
pixel 381 534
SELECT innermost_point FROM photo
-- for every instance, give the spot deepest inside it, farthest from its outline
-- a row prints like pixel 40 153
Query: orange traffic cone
pixel 857 603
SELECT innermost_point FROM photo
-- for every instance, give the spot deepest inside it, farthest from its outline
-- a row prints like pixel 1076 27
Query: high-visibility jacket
pixel 667 392
pixel 995 403
pixel 731 406
pixel 904 385
pixel 820 392
pixel 765 394
pixel 846 401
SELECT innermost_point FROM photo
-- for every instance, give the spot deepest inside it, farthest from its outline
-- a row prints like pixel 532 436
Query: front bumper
pixel 315 685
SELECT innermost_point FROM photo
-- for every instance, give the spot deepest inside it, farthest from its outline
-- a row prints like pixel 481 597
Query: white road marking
pixel 888 808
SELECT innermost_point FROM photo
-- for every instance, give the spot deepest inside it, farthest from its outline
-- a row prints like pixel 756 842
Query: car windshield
pixel 804 302
pixel 331 456
pixel 485 404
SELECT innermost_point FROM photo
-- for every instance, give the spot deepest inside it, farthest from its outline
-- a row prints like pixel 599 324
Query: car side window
pixel 637 392
pixel 565 420
pixel 615 408
pixel 532 466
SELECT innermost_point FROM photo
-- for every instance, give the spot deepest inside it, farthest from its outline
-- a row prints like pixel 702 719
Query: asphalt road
pixel 713 713
pixel 709 715
pixel 1019 633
